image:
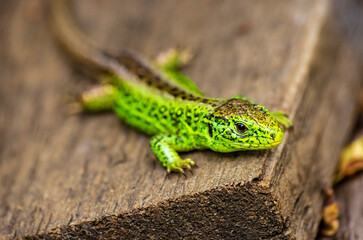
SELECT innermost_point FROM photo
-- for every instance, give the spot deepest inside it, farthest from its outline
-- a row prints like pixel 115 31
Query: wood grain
pixel 87 176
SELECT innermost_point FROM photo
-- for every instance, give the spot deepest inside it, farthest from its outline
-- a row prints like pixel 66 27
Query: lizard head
pixel 238 124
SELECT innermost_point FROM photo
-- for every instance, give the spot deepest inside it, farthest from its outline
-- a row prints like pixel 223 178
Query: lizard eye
pixel 241 127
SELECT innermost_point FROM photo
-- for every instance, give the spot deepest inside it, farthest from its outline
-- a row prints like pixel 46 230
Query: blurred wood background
pixel 85 176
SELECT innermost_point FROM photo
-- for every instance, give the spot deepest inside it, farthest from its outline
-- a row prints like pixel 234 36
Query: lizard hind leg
pixel 174 58
pixel 170 62
pixel 98 98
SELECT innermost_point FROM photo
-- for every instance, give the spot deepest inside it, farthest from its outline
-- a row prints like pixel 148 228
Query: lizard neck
pixel 199 121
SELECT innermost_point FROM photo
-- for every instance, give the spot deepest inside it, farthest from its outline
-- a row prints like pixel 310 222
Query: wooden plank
pixel 90 176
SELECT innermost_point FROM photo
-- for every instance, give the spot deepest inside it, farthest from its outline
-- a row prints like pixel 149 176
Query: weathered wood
pixel 350 199
pixel 90 176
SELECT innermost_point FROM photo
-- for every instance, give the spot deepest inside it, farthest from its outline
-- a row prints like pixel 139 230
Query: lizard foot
pixel 180 165
pixel 282 119
pixel 174 58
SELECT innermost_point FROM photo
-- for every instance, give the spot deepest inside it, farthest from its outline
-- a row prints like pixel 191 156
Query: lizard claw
pixel 167 175
pixel 180 166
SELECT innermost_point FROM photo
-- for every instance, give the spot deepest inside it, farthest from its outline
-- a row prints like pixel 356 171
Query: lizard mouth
pixel 272 142
pixel 278 139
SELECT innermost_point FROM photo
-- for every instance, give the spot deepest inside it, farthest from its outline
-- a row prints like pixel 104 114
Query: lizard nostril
pixel 272 135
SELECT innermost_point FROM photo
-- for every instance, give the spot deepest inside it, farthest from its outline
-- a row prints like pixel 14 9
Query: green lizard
pixel 163 103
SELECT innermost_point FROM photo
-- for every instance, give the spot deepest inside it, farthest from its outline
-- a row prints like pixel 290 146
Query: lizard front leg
pixel 282 118
pixel 165 147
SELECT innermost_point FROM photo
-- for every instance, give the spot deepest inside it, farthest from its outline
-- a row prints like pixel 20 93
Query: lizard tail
pixel 125 64
pixel 76 44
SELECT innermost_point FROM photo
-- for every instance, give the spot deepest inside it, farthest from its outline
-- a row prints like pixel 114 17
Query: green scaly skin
pixel 160 101
pixel 179 125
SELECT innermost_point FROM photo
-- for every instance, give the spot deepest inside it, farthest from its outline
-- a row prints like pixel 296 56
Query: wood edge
pixel 240 210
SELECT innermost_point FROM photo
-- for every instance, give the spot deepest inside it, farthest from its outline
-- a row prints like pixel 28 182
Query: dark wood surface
pixel 90 176
pixel 350 199
pixel 349 196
